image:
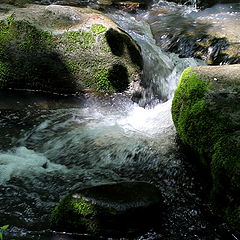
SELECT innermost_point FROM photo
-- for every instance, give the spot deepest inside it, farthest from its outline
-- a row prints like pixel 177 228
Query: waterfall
pixel 51 145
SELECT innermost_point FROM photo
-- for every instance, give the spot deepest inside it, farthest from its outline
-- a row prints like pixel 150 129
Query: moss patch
pixel 69 61
pixel 205 116
pixel 98 28
pixel 225 168
pixel 28 59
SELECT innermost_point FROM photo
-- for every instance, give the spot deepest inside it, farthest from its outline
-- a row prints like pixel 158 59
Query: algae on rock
pixel 73 54
pixel 206 113
pixel 114 209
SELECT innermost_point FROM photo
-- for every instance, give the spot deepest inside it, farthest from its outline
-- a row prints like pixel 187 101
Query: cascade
pixel 50 145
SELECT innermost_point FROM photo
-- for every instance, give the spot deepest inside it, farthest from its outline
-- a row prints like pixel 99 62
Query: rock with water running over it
pixel 65 49
pixel 203 3
pixel 206 113
pixel 116 209
pixel 211 35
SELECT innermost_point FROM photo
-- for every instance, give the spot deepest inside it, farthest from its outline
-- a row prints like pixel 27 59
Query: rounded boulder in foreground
pixel 116 209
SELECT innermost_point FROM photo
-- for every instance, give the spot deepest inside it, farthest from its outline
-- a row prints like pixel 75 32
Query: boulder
pixel 204 34
pixel 65 49
pixel 115 210
pixel 206 113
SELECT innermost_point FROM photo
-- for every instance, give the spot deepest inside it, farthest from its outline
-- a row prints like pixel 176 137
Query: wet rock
pixel 200 35
pixel 65 49
pixel 203 3
pixel 206 113
pixel 117 209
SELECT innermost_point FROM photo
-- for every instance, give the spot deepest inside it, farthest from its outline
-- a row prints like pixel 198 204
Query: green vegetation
pixel 188 105
pixel 225 169
pixel 102 80
pixel 97 29
pixel 212 133
pixel 2 230
pixel 74 213
pixel 80 38
pixel 82 207
pixel 28 59
pixel 69 62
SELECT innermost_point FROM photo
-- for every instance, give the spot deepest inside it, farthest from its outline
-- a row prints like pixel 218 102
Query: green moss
pixel 225 168
pixel 75 213
pixel 187 108
pixel 4 73
pixel 80 39
pixel 97 29
pixel 205 121
pixel 102 80
pixel 28 59
pixel 72 66
pixel 82 207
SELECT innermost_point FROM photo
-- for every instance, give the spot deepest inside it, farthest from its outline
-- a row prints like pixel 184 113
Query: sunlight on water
pixel 148 121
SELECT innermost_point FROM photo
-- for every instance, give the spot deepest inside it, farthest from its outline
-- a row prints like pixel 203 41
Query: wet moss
pixel 225 168
pixel 187 107
pixel 205 121
pixel 74 213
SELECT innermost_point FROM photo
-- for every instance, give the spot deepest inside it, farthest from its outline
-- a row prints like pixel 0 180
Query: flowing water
pixel 53 144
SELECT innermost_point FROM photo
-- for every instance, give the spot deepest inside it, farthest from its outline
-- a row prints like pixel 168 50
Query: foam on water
pixel 25 162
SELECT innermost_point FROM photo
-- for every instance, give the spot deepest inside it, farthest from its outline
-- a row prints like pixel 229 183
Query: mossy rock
pixel 116 209
pixel 59 49
pixel 206 113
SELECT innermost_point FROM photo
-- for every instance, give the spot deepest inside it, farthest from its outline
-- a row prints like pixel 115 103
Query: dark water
pixel 50 145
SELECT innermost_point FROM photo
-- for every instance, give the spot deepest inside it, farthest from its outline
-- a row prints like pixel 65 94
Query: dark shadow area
pixel 118 76
pixel 115 41
pixel 28 60
pixel 134 50
pixel 18 3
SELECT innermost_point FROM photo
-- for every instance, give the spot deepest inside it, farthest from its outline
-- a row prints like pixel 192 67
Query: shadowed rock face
pixel 206 113
pixel 65 49
pixel 117 209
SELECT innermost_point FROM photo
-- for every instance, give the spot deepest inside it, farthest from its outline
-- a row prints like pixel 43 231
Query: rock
pixel 65 49
pixel 207 3
pixel 203 3
pixel 116 209
pixel 206 113
pixel 203 34
pixel 131 6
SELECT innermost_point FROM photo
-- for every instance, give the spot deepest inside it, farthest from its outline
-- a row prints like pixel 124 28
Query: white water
pixel 50 147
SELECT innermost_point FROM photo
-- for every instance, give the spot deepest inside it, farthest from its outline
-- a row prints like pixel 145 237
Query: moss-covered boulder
pixel 65 49
pixel 206 113
pixel 117 209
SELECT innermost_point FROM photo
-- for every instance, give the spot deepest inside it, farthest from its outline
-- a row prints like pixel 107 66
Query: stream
pixel 53 144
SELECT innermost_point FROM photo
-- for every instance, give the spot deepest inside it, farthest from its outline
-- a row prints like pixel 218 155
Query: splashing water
pixel 53 145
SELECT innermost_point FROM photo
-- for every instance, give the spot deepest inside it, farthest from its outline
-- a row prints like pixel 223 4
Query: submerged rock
pixel 65 49
pixel 117 209
pixel 206 113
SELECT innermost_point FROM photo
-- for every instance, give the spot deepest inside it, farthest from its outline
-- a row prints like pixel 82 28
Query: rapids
pixel 51 144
